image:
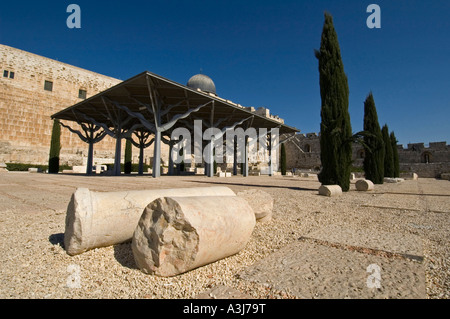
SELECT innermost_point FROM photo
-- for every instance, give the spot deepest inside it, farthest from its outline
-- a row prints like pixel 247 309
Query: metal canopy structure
pixel 149 103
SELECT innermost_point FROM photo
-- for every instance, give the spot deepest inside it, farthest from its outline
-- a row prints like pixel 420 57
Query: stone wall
pixel 429 161
pixel 26 108
pixel 303 152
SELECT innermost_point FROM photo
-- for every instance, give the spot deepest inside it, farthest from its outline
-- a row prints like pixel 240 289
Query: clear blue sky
pixel 260 53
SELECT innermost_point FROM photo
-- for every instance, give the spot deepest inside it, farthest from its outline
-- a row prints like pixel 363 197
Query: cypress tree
pixel 128 156
pixel 395 155
pixel 55 148
pixel 389 156
pixel 374 145
pixel 335 127
pixel 283 159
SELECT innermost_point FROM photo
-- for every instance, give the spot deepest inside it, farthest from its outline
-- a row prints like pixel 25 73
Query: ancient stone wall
pixel 27 103
pixel 303 152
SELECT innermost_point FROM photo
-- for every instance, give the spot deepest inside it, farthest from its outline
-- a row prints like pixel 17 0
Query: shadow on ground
pixel 257 185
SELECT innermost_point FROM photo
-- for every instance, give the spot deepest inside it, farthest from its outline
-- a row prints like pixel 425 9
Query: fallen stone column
pixel 261 202
pixel 364 185
pixel 330 190
pixel 178 234
pixel 100 219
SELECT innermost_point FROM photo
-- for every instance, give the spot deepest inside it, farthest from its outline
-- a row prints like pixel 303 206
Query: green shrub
pixel 20 167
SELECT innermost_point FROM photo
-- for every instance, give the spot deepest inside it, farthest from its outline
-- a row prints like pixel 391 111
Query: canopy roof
pixel 147 94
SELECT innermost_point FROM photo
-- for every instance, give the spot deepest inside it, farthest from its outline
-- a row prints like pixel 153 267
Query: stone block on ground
pixel 412 176
pixel 200 170
pixel 261 203
pixel 34 170
pixel 178 234
pixel 3 167
pixel 364 185
pixel 223 174
pixel 330 190
pixel 100 219
pixel 79 169
pixel 393 180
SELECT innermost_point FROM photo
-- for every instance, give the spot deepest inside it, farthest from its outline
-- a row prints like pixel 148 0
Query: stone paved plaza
pixel 392 242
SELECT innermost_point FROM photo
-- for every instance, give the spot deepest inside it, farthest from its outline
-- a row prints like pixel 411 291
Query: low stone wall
pixel 426 170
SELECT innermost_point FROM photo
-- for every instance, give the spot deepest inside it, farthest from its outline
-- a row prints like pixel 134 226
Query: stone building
pixel 303 152
pixel 32 88
pixel 428 161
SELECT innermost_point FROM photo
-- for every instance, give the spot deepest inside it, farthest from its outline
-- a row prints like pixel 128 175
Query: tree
pixel 128 156
pixel 283 159
pixel 389 156
pixel 373 141
pixel 55 148
pixel 335 127
pixel 395 155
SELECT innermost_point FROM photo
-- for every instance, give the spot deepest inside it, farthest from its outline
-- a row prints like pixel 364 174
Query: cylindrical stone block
pixel 178 234
pixel 364 185
pixel 261 202
pixel 100 219
pixel 330 190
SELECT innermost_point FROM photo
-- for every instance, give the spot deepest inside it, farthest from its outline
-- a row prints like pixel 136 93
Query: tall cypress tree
pixel 55 148
pixel 389 156
pixel 335 128
pixel 395 155
pixel 283 159
pixel 374 145
pixel 128 156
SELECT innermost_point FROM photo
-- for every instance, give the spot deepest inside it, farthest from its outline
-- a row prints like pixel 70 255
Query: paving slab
pixel 309 270
pixel 394 242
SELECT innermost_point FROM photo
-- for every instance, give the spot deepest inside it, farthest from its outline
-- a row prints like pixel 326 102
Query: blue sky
pixel 260 53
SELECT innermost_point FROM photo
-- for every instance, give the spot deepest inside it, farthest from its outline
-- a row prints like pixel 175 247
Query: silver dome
pixel 202 82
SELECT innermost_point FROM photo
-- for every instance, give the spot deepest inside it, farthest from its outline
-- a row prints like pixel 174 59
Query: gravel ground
pixel 34 263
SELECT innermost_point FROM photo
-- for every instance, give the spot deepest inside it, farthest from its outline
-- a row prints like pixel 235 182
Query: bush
pixel 20 167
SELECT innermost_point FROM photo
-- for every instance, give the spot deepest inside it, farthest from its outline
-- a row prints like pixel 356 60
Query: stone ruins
pixel 172 230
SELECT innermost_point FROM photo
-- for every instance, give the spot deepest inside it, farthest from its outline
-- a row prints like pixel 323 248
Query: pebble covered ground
pixel 34 263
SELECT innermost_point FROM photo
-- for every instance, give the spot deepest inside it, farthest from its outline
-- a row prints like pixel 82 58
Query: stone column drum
pixel 178 234
pixel 100 219
pixel 330 190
